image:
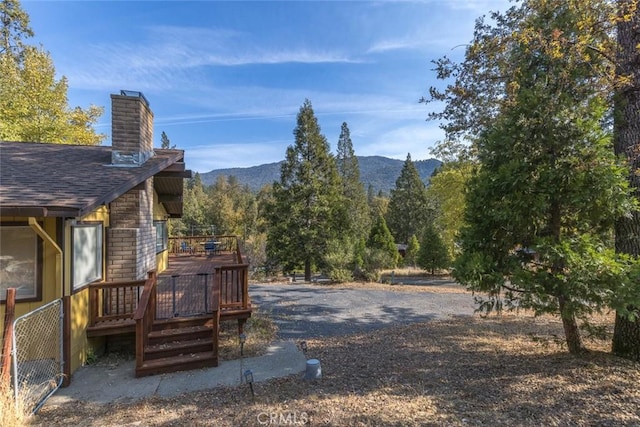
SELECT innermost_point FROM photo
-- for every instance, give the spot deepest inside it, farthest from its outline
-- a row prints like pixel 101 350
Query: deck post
pixel 173 292
pixel 206 285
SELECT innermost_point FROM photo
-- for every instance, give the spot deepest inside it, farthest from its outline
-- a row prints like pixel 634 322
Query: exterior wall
pixel 131 236
pixel 79 344
pixel 50 271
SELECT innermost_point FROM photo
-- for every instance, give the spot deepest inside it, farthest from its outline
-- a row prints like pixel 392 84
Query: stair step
pixel 177 363
pixel 182 334
pixel 177 348
pixel 182 322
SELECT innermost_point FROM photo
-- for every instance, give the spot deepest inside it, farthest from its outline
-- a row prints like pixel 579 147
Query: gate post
pixel 7 337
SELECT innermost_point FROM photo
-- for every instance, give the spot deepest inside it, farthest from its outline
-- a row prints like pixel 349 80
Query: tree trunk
pixel 626 335
pixel 626 338
pixel 571 330
pixel 307 270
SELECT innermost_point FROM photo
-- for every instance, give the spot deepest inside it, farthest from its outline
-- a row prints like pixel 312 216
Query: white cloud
pixel 416 139
pixel 169 58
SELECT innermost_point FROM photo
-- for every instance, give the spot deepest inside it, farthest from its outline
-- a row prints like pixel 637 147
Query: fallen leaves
pixel 458 372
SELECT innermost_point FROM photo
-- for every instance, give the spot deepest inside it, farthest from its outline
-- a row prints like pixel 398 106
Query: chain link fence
pixel 37 354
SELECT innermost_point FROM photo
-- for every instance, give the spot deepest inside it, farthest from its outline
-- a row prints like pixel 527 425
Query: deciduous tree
pixel 33 103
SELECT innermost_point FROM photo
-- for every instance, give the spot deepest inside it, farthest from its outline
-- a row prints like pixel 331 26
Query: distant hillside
pixel 380 172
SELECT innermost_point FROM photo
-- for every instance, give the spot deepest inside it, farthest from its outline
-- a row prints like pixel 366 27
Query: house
pixel 73 218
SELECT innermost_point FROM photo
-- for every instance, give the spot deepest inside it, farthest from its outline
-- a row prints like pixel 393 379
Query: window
pixel 20 262
pixel 87 253
pixel 162 235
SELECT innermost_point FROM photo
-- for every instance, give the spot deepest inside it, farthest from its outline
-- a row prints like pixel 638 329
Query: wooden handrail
pixel 238 252
pixel 145 298
pixel 117 284
pixel 144 316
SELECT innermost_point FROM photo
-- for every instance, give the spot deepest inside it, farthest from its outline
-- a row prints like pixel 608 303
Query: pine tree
pixel 380 240
pixel 433 254
pixel 165 143
pixel 411 253
pixel 355 199
pixel 306 213
pixel 542 202
pixel 409 210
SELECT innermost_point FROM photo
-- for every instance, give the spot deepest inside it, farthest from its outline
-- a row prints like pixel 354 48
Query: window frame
pixel 99 262
pixel 162 242
pixel 36 295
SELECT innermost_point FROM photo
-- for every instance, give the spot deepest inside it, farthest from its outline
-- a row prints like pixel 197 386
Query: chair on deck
pixel 210 248
pixel 184 248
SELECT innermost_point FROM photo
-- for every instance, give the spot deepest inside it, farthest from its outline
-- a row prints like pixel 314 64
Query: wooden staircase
pixel 179 345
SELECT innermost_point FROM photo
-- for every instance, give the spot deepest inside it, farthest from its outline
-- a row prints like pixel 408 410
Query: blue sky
pixel 226 80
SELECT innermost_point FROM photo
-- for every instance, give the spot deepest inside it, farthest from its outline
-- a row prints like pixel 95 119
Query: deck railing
pixel 114 300
pixel 227 289
pixel 202 244
pixel 233 282
pixel 144 316
pixel 184 295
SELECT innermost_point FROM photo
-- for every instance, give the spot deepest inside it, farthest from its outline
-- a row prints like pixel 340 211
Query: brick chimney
pixel 130 235
pixel 131 129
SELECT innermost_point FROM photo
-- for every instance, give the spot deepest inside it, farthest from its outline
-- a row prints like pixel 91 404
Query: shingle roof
pixel 67 180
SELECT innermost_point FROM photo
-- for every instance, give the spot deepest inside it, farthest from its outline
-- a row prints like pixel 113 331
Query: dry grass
pixel 464 371
pixel 12 412
pixel 260 331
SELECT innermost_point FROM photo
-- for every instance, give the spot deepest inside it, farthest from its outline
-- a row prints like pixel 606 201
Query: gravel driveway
pixel 313 310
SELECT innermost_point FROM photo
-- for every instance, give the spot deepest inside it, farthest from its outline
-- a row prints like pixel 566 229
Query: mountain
pixel 380 172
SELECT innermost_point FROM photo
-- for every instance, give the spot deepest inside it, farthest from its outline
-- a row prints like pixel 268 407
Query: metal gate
pixel 37 354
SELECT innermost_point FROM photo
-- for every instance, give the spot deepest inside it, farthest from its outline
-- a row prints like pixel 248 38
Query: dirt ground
pixel 511 370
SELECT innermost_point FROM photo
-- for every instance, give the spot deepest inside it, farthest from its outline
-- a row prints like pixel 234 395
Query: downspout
pixel 44 236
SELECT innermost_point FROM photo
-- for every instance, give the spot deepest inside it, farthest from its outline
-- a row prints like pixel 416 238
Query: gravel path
pixel 312 310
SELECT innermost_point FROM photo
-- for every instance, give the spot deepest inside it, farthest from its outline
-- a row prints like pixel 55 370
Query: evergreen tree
pixel 409 210
pixel 541 205
pixel 306 211
pixel 355 201
pixel 165 143
pixel 381 241
pixel 33 104
pixel 433 254
pixel 411 253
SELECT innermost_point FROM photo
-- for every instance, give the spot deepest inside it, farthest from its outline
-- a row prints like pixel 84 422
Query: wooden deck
pixel 198 290
pixel 182 264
